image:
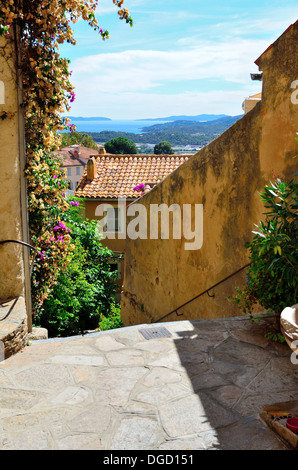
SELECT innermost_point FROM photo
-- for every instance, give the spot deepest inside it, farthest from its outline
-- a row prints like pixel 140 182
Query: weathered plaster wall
pixel 117 245
pixel 226 177
pixel 11 255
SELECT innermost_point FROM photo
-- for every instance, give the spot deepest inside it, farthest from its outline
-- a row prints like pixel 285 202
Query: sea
pixel 114 125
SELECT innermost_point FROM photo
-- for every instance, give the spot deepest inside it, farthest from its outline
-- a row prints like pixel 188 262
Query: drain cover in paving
pixel 152 333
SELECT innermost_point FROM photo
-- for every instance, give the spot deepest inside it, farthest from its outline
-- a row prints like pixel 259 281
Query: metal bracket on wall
pixel 2 242
pixel 11 307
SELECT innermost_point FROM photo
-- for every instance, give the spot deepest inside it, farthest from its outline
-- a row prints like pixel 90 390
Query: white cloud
pixel 137 83
pixel 105 6
pixel 138 70
pixel 124 85
pixel 141 105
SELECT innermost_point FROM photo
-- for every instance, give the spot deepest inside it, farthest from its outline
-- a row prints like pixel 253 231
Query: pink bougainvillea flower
pixel 61 226
pixel 139 187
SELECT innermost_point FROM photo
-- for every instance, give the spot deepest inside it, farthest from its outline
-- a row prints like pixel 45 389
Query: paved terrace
pixel 201 388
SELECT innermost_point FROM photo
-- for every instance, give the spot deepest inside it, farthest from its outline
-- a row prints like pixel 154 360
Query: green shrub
pixel 112 321
pixel 163 147
pixel 272 279
pixel 85 290
pixel 78 138
pixel 121 145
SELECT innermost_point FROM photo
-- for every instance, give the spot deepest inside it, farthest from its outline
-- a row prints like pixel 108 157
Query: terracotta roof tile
pixel 75 155
pixel 117 175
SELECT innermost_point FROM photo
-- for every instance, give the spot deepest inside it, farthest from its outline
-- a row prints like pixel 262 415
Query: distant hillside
pixel 177 132
pixel 194 127
pixel 199 117
pixel 79 118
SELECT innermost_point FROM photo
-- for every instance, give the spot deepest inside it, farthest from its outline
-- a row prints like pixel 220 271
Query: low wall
pixel 13 327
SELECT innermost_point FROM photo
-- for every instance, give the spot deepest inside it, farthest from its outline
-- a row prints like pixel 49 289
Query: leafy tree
pixel 163 147
pixel 121 145
pixel 73 138
pixel 272 279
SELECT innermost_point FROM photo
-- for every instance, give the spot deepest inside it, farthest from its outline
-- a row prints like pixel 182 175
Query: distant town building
pixel 74 159
pixel 250 102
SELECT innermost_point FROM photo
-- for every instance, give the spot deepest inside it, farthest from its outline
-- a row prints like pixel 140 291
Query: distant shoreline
pixel 183 132
pixel 199 118
pixel 79 118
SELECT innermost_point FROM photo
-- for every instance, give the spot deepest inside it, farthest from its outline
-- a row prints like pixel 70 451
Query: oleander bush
pixel 272 278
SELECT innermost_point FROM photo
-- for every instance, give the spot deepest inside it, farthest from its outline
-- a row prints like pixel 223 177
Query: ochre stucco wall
pixel 226 177
pixel 117 245
pixel 11 255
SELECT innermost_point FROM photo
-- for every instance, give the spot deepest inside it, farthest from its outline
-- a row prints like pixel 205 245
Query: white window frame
pixel 107 229
pixel 114 223
pixel 119 268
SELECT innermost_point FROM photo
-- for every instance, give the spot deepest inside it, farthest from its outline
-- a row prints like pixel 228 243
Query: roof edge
pixel 257 62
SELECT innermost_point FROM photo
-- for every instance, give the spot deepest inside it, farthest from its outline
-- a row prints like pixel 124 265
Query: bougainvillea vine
pixel 40 27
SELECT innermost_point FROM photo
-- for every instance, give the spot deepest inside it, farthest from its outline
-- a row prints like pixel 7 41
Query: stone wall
pixel 13 327
pixel 226 177
pixel 11 255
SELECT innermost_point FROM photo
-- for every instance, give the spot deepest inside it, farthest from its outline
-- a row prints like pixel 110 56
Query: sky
pixel 185 57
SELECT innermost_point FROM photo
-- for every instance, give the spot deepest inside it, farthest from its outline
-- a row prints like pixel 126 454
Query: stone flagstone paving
pixel 202 388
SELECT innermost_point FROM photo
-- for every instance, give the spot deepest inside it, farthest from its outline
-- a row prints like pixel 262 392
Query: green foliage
pixel 121 145
pixel 174 137
pixel 145 149
pixel 73 138
pixel 85 290
pixel 177 132
pixel 163 147
pixel 112 321
pixel 272 279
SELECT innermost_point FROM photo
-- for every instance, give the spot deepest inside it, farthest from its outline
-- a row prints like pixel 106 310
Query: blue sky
pixel 181 57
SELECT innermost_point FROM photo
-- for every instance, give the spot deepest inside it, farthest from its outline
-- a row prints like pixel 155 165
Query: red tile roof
pixel 117 175
pixel 70 158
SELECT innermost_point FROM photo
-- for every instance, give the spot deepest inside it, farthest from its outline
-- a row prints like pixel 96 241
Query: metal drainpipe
pixel 23 181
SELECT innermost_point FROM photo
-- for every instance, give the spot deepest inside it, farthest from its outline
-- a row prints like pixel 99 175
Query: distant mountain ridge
pixel 79 118
pixel 181 132
pixel 199 117
pixel 193 127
